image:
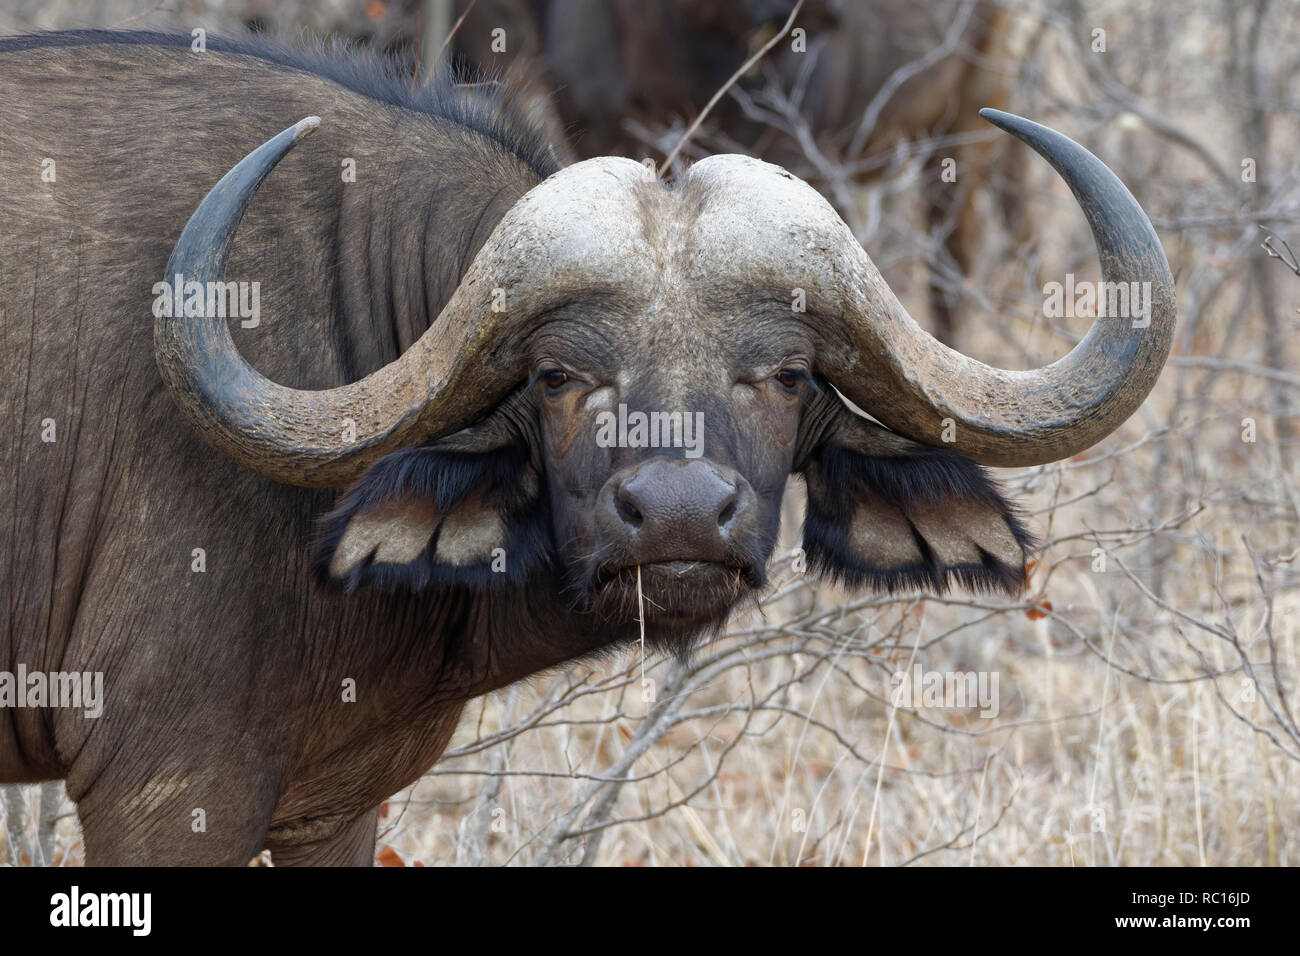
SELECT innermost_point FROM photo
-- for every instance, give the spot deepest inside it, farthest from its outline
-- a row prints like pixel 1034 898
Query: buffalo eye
pixel 555 378
pixel 789 377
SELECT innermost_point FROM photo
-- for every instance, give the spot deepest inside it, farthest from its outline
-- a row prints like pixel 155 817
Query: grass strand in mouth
pixel 640 616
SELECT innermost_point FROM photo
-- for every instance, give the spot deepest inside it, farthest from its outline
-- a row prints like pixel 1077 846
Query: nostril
pixel 727 513
pixel 630 513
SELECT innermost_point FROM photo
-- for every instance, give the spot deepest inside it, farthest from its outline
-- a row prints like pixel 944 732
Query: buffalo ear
pixel 429 516
pixel 888 513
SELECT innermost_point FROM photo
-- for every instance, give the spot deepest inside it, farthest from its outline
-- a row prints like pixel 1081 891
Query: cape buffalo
pixel 535 386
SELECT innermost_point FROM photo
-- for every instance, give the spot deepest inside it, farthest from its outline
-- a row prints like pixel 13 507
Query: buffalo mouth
pixel 679 595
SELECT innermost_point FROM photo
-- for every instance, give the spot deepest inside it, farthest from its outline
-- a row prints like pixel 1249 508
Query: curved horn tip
pixel 1016 419
pixel 305 127
pixel 1009 122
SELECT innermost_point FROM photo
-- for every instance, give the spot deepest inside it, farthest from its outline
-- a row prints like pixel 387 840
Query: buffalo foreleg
pixel 353 844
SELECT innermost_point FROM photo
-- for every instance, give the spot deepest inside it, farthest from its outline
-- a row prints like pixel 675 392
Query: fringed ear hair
pixel 890 514
pixel 426 517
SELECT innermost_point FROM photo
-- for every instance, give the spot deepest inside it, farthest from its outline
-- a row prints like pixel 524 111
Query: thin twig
pixel 451 33
pixel 744 68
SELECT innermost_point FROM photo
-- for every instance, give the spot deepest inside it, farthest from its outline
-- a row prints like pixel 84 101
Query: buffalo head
pixel 629 372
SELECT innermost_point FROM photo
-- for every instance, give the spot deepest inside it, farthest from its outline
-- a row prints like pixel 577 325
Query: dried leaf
pixel 1034 614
